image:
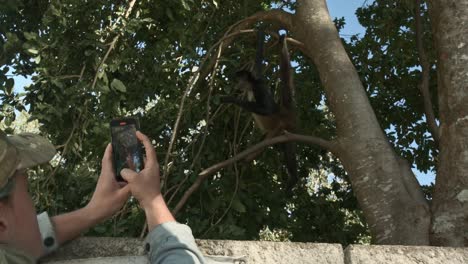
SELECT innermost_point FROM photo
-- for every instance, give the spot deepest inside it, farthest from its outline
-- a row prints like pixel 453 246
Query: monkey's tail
pixel 290 160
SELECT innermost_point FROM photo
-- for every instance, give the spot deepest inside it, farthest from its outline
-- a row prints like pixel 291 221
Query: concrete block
pixel 138 260
pixel 274 252
pixel 360 254
pixel 218 251
pixel 108 260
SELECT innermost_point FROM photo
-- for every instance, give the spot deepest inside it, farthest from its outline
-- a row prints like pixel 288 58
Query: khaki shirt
pixel 12 256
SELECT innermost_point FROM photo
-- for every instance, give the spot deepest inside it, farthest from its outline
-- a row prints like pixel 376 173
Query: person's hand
pixel 109 195
pixel 145 186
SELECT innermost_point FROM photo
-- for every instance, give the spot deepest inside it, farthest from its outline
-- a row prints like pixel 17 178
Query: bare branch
pixel 82 72
pixel 426 67
pixel 276 16
pixel 63 77
pixel 207 119
pixel 286 137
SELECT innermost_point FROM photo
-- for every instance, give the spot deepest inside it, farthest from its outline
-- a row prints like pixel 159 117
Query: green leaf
pixel 10 83
pixel 102 71
pixel 8 121
pixel 118 85
pixel 57 83
pixel 185 5
pixel 238 206
pixel 30 35
pixel 37 59
pixel 169 14
pixel 33 51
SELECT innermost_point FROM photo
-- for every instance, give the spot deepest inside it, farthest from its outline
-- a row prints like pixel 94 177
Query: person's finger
pixel 124 192
pixel 121 183
pixel 107 158
pixel 150 152
pixel 128 175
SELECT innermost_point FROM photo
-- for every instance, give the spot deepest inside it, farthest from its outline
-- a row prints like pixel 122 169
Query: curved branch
pixel 276 16
pixel 286 137
pixel 424 85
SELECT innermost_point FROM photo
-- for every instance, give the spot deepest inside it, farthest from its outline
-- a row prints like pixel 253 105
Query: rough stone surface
pixel 241 251
pixel 94 247
pixel 360 254
pixel 89 250
pixel 108 260
pixel 140 260
pixel 274 252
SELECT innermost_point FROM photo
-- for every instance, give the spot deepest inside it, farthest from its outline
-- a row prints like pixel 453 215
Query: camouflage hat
pixel 21 151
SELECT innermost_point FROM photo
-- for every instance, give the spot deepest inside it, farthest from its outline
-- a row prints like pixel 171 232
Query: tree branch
pixel 276 16
pixel 205 133
pixel 426 67
pixel 192 83
pixel 286 137
pixel 112 45
pixel 238 28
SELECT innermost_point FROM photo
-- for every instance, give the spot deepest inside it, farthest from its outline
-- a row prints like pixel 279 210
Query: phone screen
pixel 125 146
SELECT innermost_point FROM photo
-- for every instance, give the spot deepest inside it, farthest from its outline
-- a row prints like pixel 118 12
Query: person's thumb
pixel 128 175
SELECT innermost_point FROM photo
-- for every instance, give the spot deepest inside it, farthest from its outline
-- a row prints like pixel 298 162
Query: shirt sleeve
pixel 49 241
pixel 172 242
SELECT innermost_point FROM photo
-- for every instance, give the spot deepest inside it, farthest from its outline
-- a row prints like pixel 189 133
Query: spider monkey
pixel 271 117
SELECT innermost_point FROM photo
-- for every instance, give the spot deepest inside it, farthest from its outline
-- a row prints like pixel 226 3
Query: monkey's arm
pixel 253 107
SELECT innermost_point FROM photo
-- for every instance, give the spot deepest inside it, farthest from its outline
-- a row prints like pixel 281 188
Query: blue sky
pixel 337 8
pixel 347 9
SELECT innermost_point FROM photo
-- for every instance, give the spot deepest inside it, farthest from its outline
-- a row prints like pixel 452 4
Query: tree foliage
pixel 90 62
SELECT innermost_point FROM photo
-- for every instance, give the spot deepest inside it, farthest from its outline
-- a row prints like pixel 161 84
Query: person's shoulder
pixel 13 256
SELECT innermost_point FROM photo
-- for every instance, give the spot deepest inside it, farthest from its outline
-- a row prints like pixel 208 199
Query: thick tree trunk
pixel 449 20
pixel 386 188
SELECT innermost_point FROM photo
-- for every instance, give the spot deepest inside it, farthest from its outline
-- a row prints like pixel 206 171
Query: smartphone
pixel 126 148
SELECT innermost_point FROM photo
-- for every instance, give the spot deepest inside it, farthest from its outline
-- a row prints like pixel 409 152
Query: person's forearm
pixel 157 213
pixel 70 225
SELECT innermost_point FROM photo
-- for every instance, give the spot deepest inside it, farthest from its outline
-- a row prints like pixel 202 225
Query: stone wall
pixel 89 250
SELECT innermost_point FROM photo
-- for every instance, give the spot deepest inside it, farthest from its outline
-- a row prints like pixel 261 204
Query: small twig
pixel 207 120
pixel 426 67
pixel 64 152
pixel 63 77
pixel 82 72
pixel 217 112
pixel 208 107
pixel 229 206
pixel 112 45
pixel 286 137
pixel 192 83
